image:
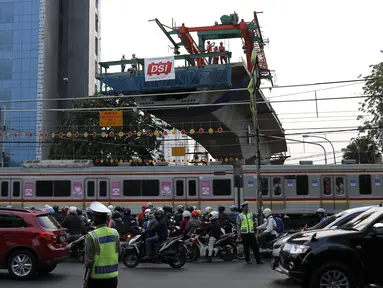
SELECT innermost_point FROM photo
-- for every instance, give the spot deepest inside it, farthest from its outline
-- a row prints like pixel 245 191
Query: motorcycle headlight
pixel 295 248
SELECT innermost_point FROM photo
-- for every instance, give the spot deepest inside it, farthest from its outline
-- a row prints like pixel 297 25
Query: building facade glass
pixel 19 39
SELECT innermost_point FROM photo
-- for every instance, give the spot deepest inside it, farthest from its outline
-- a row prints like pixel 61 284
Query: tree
pixel 116 147
pixel 363 149
pixel 373 104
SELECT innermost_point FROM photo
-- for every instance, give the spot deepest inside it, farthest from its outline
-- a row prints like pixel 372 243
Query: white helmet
pixel 147 211
pixel 72 210
pixel 111 208
pixel 186 214
pixel 321 211
pixel 9 206
pixel 267 212
pixel 208 209
pixel 160 209
pixel 100 208
pixel 214 215
pixel 150 204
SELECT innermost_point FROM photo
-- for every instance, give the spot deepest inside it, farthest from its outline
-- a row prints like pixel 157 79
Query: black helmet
pixel 168 208
pixel 221 208
pixel 158 213
pixel 79 212
pixel 127 211
pixel 116 215
pixel 119 209
pixel 56 208
pixel 190 208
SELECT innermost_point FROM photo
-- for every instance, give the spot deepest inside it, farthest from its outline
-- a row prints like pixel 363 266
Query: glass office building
pixel 19 52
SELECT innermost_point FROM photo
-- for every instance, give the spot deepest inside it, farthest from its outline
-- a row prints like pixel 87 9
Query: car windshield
pixel 48 222
pixel 362 220
pixel 327 222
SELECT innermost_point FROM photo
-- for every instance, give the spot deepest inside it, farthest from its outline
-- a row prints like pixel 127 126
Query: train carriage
pixel 78 183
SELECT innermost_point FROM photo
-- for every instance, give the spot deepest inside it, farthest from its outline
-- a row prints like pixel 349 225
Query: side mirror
pixel 378 228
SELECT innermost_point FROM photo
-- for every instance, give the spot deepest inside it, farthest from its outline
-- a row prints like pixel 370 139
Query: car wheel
pixel 22 265
pixel 333 275
pixel 47 269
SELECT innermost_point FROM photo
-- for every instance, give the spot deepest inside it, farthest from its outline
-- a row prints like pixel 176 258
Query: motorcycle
pixel 77 248
pixel 268 247
pixel 225 247
pixel 171 251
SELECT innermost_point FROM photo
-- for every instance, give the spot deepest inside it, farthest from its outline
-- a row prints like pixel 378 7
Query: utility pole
pixel 256 81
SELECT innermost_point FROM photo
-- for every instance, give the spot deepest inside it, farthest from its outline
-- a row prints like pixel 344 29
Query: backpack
pixel 280 226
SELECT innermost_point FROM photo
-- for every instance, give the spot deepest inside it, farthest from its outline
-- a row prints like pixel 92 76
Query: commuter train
pixel 286 189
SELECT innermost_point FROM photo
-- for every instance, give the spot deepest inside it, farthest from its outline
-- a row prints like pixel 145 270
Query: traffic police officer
pixel 102 248
pixel 245 226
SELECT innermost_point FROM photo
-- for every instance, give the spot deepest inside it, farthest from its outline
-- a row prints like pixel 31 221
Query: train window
pixel 103 189
pixel 265 186
pixel 365 184
pixel 62 188
pixel 4 189
pixel 132 188
pixel 327 188
pixel 44 188
pixel 302 183
pixel 90 187
pixel 180 188
pixel 192 187
pixel 277 187
pixel 339 186
pixel 16 189
pixel 221 187
pixel 150 187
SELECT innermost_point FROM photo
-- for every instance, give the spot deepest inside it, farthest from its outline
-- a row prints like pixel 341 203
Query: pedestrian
pixel 245 227
pixel 209 49
pixel 102 248
pixel 222 49
pixel 123 65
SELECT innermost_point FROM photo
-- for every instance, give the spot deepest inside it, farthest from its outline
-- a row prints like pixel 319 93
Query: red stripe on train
pixel 316 198
pixel 119 200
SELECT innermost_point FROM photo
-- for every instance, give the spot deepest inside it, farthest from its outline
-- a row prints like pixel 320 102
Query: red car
pixel 31 242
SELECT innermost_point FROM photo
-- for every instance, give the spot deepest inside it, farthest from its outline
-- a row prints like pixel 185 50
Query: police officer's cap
pixel 99 208
pixel 245 204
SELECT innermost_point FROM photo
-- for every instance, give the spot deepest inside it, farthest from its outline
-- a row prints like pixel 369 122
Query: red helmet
pixel 146 206
pixel 195 214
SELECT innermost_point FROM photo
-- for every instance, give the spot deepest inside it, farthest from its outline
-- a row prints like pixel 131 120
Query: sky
pixel 309 42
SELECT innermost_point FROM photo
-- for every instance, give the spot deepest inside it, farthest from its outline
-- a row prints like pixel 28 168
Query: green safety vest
pixel 247 223
pixel 106 259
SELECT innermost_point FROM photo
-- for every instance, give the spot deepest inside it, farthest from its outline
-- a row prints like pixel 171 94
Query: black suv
pixel 349 256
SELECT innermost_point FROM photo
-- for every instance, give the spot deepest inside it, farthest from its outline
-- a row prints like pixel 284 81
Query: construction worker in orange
pixel 209 49
pixel 215 58
pixel 222 49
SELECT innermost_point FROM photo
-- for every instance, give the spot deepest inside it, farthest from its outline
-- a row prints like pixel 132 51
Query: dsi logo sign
pixel 159 69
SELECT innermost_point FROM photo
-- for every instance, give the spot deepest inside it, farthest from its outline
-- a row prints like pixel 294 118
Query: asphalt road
pixel 218 274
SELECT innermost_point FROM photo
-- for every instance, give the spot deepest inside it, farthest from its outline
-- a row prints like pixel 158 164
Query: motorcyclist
pixel 206 215
pixel 214 232
pixel 178 214
pixel 83 218
pixel 119 209
pixel 168 211
pixel 321 214
pixel 222 216
pixel 58 215
pixel 150 204
pixel 186 218
pixel 116 216
pixel 129 220
pixel 74 224
pixel 111 208
pixel 233 214
pixel 110 223
pixel 161 234
pixel 141 216
pixel 190 208
pixel 150 221
pixel 269 233
pixel 194 223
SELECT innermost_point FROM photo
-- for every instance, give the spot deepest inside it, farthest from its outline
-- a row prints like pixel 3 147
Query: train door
pixel 186 191
pixel 179 193
pixel 90 191
pixel 16 199
pixel 103 191
pixel 5 195
pixel 265 189
pixel 334 193
pixel 277 195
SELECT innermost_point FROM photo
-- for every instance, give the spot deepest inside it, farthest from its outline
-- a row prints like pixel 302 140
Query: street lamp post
pixel 299 141
pixel 321 137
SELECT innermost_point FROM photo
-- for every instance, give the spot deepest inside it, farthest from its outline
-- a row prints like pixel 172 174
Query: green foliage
pixel 87 120
pixel 373 104
pixel 362 149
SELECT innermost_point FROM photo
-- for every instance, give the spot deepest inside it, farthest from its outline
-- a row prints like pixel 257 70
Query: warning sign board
pixel 178 151
pixel 110 118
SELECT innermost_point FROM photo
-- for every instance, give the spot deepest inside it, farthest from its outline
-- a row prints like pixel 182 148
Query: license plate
pixel 276 252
